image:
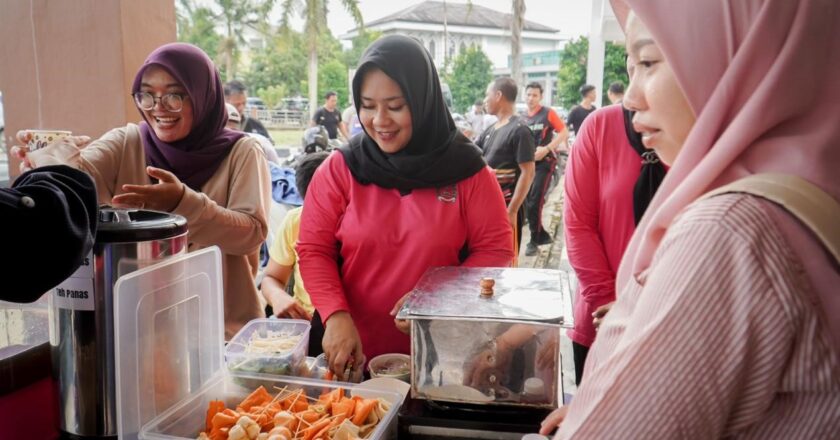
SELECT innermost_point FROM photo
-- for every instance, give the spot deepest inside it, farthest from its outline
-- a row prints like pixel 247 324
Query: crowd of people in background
pixel 405 142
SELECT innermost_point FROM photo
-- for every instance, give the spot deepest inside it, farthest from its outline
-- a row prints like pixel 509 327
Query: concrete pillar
pixel 70 64
pixel 595 57
pixel 595 66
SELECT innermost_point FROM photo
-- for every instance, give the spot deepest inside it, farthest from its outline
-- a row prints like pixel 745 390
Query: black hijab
pixel 437 154
pixel 651 174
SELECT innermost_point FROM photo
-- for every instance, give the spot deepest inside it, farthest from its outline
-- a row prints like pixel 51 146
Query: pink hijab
pixel 763 78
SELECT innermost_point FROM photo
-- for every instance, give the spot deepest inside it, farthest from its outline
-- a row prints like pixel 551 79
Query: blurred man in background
pixel 236 95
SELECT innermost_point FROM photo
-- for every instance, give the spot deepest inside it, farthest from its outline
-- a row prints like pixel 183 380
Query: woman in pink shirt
pixel 408 194
pixel 725 323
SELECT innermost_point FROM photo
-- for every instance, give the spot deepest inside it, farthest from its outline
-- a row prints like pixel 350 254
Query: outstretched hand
pixel 35 159
pixel 553 420
pixel 162 196
pixel 600 313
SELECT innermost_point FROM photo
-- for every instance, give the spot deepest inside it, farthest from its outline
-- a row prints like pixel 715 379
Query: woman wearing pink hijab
pixel 725 324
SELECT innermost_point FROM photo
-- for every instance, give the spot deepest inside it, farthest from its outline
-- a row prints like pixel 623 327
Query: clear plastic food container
pixel 269 346
pixel 186 420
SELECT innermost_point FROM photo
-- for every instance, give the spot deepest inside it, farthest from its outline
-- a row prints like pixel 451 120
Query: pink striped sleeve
pixel 704 333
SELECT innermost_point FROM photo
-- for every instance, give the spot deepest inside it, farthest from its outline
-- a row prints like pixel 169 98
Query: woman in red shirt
pixel 407 194
pixel 610 179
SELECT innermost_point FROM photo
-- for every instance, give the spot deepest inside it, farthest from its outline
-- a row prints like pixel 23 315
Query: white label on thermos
pixel 86 269
pixel 74 294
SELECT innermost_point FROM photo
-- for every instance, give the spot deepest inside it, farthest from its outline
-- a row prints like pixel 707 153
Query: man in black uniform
pixel 550 136
pixel 579 112
pixel 330 117
pixel 509 149
pixel 235 95
pixel 49 216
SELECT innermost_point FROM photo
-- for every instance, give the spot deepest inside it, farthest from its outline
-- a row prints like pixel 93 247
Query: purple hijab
pixel 195 158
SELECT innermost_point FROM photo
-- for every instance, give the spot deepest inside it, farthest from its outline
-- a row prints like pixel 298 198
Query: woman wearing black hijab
pixel 409 193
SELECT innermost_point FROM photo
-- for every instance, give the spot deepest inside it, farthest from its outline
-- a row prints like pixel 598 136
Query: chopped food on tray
pixel 292 415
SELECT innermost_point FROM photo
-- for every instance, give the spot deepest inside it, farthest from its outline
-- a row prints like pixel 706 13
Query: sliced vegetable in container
pixel 292 415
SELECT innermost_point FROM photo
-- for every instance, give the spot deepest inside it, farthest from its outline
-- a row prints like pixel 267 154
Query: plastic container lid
pixel 519 294
pixel 290 362
pixel 132 225
pixel 169 335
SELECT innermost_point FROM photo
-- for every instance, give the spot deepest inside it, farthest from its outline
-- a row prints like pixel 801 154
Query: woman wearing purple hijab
pixel 181 159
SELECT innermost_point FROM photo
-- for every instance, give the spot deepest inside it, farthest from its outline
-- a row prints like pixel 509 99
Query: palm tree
pixel 314 13
pixel 516 40
pixel 236 16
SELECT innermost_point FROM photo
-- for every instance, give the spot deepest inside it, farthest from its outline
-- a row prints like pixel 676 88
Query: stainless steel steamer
pixel 82 315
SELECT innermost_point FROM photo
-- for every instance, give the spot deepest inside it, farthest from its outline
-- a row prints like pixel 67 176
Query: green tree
pixel 471 73
pixel 572 73
pixel 282 62
pixel 273 95
pixel 197 25
pixel 615 68
pixel 236 16
pixel 332 75
pixel 314 13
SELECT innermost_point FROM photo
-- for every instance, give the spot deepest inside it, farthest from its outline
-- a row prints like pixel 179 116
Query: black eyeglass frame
pixel 155 99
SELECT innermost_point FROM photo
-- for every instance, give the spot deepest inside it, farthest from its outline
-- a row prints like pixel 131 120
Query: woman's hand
pixel 162 196
pixel 599 314
pixel 284 306
pixel 553 420
pixel 342 345
pixel 402 324
pixel 35 159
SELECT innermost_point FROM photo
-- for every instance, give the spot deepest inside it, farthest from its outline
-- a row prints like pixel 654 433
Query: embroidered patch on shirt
pixel 448 194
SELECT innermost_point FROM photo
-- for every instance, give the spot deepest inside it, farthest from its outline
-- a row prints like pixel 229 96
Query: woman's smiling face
pixel 169 126
pixel 384 112
pixel 663 115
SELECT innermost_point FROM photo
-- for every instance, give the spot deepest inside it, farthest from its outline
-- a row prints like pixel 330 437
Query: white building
pixel 452 27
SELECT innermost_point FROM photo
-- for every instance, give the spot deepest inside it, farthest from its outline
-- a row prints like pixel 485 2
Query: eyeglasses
pixel 173 102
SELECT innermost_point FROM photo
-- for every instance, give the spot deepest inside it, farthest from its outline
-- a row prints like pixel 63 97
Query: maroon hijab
pixel 195 158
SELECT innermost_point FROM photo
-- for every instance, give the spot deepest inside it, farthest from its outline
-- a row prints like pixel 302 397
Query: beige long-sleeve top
pixel 231 210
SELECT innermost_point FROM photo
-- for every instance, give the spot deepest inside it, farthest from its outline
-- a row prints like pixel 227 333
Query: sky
pixel 571 17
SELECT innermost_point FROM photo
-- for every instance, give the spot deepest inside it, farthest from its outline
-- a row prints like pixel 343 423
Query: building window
pixel 432 48
pixel 462 48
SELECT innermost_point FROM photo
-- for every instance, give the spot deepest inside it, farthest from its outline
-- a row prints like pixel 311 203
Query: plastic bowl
pixel 393 365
